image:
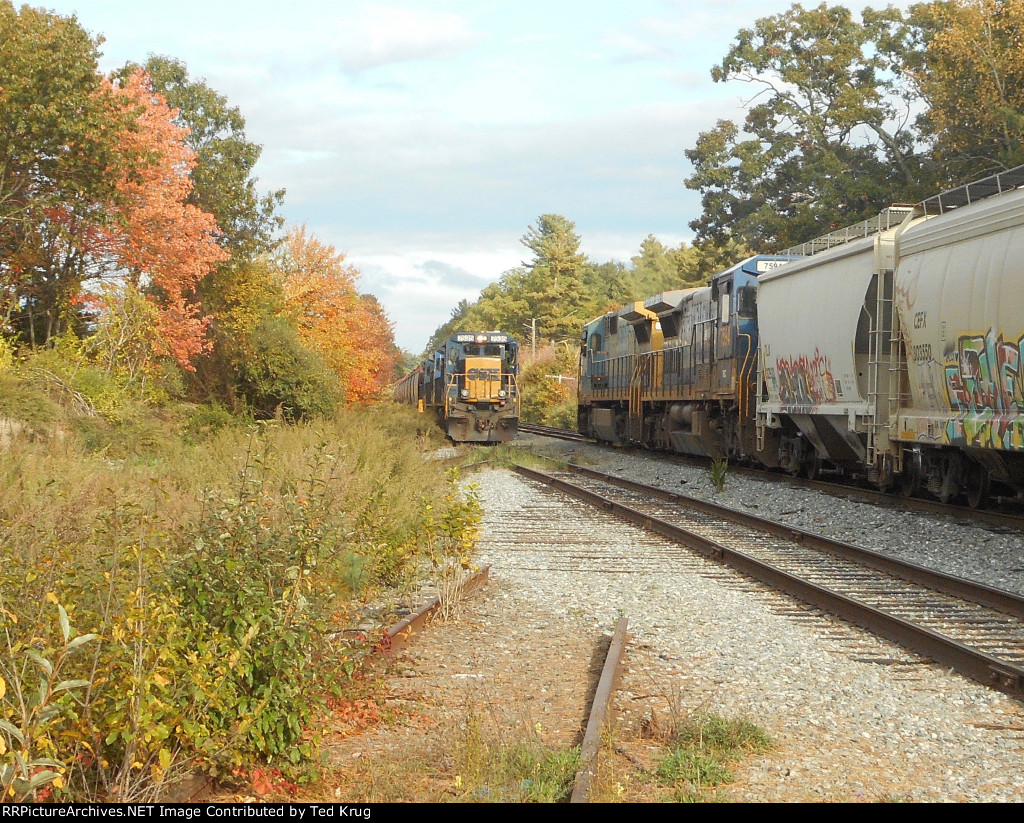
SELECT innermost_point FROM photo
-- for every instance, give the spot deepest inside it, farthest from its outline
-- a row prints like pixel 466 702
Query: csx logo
pixel 483 374
pixel 920 319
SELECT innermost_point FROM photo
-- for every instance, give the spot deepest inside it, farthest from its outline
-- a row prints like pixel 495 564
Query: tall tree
pixel 554 280
pixel 970 72
pixel 61 154
pixel 162 241
pixel 828 140
pixel 657 268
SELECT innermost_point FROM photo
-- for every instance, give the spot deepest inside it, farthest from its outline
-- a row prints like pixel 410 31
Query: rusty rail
pixel 598 714
pixel 401 631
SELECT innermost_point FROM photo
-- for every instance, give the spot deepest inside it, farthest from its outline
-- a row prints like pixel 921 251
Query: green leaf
pixel 81 639
pixel 41 661
pixel 70 684
pixel 41 779
pixel 12 731
pixel 65 624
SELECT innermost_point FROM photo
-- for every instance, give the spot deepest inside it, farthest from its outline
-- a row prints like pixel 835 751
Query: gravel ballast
pixel 853 717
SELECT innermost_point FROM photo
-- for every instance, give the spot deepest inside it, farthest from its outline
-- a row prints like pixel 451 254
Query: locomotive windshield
pixel 485 350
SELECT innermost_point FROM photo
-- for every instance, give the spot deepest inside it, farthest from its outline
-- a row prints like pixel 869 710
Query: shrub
pixel 277 374
pixel 548 387
pixel 214 608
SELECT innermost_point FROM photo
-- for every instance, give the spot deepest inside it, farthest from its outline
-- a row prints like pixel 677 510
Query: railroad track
pixel 550 431
pixel 1008 517
pixel 977 630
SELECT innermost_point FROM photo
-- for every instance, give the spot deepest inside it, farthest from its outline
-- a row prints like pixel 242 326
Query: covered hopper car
pixel 471 384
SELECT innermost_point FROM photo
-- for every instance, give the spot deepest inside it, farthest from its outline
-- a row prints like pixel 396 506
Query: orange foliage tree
pixel 349 332
pixel 161 242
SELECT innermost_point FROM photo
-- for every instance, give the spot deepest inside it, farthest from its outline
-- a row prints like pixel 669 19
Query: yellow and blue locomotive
pixel 471 384
pixel 677 371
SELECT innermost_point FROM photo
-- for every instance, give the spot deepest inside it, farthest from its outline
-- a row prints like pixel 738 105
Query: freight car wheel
pixel 812 468
pixel 910 480
pixel 979 484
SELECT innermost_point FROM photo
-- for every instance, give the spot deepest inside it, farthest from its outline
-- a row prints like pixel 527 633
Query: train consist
pixel 471 384
pixel 889 350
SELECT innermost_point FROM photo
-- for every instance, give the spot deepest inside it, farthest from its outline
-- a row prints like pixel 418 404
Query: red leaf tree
pixel 160 242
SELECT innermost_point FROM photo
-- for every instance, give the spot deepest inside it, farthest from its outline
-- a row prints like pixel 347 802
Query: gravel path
pixel 854 717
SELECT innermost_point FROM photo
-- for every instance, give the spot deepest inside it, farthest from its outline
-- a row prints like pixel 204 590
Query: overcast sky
pixel 423 138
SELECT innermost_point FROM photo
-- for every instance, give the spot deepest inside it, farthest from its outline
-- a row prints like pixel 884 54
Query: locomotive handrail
pixel 743 388
pixel 454 378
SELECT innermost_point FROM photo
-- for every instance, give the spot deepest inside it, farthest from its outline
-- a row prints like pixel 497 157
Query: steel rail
pixel 399 634
pixel 965 659
pixel 550 431
pixel 599 712
pixel 975 517
pixel 948 584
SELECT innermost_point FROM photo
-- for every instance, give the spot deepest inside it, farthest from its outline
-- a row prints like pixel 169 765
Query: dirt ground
pixel 504 669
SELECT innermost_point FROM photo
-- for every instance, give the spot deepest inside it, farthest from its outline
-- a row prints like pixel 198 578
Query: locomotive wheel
pixel 979 484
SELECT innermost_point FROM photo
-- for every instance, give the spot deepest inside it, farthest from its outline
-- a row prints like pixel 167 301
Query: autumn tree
pixel 349 332
pixel 223 182
pixel 162 241
pixel 62 155
pixel 970 72
pixel 827 139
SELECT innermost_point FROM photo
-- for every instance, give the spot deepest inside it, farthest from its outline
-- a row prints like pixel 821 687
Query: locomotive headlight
pixel 465 392
pixel 501 393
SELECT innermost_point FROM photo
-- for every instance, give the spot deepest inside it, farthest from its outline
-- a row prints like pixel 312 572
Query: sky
pixel 422 139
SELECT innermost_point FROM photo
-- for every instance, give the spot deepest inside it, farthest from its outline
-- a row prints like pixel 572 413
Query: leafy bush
pixel 214 579
pixel 548 387
pixel 277 374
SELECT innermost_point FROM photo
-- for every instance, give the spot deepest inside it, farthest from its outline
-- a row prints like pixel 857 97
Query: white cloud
pixel 382 35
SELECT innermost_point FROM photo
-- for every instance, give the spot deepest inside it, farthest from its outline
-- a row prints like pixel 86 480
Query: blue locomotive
pixel 677 371
pixel 471 384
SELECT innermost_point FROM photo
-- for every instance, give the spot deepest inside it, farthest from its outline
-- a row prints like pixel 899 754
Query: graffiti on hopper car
pixel 985 389
pixel 806 381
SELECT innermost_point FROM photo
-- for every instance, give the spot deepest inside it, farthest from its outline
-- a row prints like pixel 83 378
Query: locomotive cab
pixel 481 395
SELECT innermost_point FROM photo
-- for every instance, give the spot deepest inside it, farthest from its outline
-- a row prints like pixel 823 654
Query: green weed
pixel 719 473
pixel 703 748
pixel 492 769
